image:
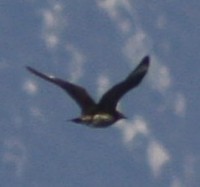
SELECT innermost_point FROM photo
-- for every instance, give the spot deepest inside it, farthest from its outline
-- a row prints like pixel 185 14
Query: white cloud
pixel 137 46
pixel 76 65
pixel 112 7
pixel 139 43
pixel 160 76
pixel 133 128
pixel 103 84
pixel 180 104
pixel 54 22
pixel 15 153
pixel 164 80
pixel 158 156
pixel 30 87
pixel 190 173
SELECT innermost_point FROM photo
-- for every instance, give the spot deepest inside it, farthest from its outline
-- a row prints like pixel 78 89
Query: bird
pixel 104 113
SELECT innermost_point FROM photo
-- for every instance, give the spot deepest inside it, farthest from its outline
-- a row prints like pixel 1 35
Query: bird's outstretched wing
pixel 78 93
pixel 110 99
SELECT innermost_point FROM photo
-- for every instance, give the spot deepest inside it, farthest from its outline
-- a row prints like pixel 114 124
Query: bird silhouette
pixel 103 113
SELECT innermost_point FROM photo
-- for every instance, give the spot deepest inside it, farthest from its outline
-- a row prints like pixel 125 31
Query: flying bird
pixel 103 113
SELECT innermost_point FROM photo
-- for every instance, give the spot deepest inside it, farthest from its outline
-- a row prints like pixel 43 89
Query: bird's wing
pixel 110 99
pixel 78 93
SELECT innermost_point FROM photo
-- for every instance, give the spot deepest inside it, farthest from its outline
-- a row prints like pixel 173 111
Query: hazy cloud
pixel 189 174
pixel 189 168
pixel 76 64
pixel 103 84
pixel 137 46
pixel 35 112
pixel 180 104
pixel 139 43
pixel 30 87
pixel 164 80
pixel 114 8
pixel 176 183
pixel 54 22
pixel 15 153
pixel 158 156
pixel 130 129
pixel 160 76
pixel 161 21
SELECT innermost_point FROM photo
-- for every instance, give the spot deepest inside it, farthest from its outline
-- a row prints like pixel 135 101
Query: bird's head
pixel 76 120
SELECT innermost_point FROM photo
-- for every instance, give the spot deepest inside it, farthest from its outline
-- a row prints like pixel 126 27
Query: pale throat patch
pixel 102 117
pixel 97 118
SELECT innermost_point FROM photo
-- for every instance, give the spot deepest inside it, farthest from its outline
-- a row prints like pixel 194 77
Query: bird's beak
pixel 76 120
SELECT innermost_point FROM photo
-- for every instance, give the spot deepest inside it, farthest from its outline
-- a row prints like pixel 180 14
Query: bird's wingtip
pixel 28 68
pixel 146 59
pixel 32 70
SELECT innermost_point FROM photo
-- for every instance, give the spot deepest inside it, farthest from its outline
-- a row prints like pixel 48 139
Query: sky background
pixel 96 44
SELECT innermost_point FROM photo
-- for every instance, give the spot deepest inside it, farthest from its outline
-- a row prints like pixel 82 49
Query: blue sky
pixel 96 43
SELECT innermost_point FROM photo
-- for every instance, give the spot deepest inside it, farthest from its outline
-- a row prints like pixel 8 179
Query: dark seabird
pixel 104 113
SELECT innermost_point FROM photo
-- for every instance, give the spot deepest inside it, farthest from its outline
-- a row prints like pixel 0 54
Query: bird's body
pixel 103 113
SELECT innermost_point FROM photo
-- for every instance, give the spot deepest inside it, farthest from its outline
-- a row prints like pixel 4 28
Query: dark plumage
pixel 103 113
